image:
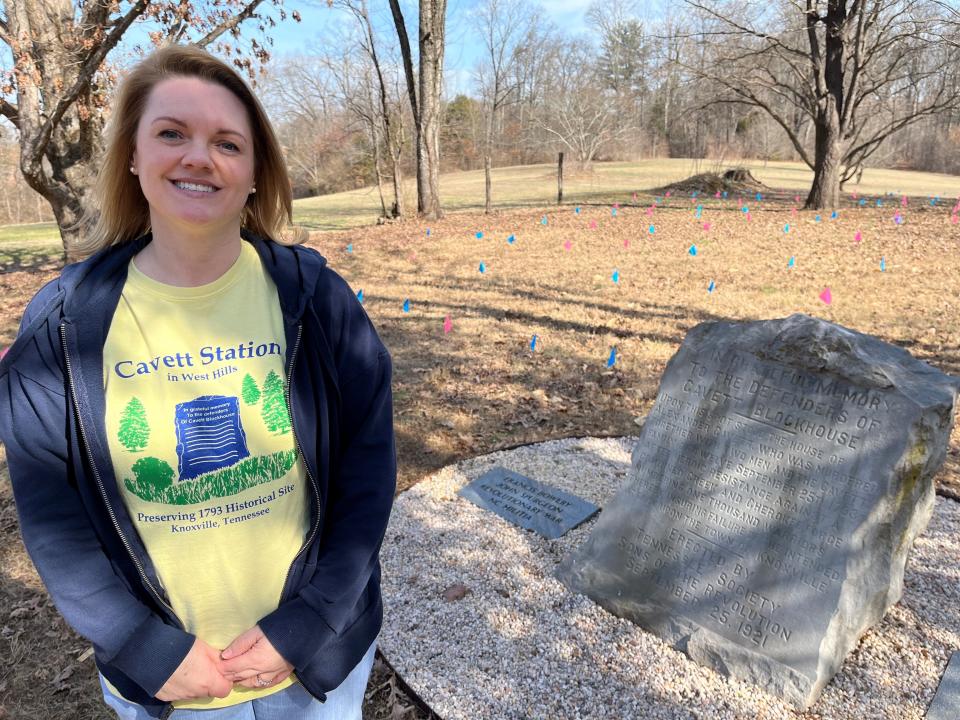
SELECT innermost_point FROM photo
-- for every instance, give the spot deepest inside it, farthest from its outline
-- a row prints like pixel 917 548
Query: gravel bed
pixel 520 645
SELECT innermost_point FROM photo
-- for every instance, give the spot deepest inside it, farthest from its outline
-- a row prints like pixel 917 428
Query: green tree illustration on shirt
pixel 134 429
pixel 249 390
pixel 274 410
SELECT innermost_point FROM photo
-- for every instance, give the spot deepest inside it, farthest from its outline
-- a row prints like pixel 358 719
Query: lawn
pixel 479 387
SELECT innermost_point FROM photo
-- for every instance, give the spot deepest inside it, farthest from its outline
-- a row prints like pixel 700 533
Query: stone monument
pixel 775 492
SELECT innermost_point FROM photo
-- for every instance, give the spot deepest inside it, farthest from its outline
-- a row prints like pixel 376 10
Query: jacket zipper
pixel 103 493
pixel 306 467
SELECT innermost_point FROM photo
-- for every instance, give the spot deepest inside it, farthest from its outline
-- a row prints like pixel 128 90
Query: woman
pixel 198 424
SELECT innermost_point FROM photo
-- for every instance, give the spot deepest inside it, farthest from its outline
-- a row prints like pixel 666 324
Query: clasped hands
pixel 208 672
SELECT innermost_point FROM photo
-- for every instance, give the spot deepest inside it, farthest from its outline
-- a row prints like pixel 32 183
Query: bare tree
pixel 312 128
pixel 425 97
pixel 857 71
pixel 389 121
pixel 507 26
pixel 61 79
pixel 574 109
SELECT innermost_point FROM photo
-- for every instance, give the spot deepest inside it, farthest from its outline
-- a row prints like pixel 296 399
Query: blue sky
pixel 292 38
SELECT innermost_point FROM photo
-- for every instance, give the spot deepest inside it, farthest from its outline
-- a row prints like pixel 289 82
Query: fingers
pixel 268 679
pixel 241 675
pixel 242 643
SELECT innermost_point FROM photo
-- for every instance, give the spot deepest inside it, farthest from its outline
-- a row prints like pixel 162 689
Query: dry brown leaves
pixel 479 387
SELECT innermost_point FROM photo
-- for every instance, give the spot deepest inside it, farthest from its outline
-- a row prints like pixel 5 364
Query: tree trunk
pixel 407 58
pixel 397 183
pixel 432 31
pixel 825 191
pixel 377 166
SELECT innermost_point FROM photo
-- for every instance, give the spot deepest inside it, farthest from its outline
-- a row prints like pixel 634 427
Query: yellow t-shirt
pixel 202 447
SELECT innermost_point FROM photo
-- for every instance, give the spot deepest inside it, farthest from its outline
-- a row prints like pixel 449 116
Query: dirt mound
pixel 736 180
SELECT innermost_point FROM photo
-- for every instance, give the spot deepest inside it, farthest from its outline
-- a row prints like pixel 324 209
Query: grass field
pixel 479 387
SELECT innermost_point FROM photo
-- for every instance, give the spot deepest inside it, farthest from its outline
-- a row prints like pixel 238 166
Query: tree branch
pixel 230 24
pixel 404 40
pixel 10 112
pixel 36 148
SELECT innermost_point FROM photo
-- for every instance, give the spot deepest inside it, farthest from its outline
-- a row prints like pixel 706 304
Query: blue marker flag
pixel 406 305
pixel 834 215
pixel 616 276
pixel 883 264
pixel 577 211
pixel 511 240
pixel 483 268
pixel 479 235
pixel 533 343
pixel 350 248
pixel 816 218
pixel 652 229
pixel 711 286
pixel 612 360
pixel 692 250
pixel 863 201
pixel 791 262
pixel 543 220
pixel 613 211
pixel 428 232
pixel 786 228
pixel 360 295
pixel 759 197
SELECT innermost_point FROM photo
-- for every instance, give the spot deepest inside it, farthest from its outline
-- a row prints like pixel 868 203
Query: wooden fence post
pixel 560 180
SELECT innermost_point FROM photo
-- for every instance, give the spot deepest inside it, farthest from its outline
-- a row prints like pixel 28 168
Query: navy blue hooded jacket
pixel 74 523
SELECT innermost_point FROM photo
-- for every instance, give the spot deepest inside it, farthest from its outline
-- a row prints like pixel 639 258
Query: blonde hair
pixel 124 213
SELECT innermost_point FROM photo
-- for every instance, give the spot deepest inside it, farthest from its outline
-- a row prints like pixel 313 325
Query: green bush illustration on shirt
pixel 274 410
pixel 134 430
pixel 249 390
pixel 152 475
pixel 153 481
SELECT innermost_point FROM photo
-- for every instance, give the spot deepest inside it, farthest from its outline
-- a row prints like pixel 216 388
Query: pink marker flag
pixel 826 296
pixel 858 237
pixel 593 224
pixel 668 193
pixel 706 226
pixel 955 219
pixel 626 242
pixel 447 325
pixel 650 210
pixel 903 201
pixel 793 211
pixel 567 245
pixel 796 198
pixel 718 194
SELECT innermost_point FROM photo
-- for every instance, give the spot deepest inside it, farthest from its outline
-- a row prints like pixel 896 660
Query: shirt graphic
pixel 202 447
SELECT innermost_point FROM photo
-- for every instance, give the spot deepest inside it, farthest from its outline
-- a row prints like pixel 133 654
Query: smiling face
pixel 194 157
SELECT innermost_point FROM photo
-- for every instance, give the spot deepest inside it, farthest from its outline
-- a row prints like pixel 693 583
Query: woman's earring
pixel 133 170
pixel 253 189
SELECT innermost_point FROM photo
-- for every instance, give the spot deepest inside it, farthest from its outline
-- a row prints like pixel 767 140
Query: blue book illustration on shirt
pixel 209 435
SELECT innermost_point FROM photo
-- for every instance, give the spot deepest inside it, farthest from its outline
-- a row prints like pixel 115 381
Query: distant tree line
pixel 873 83
pixel 838 84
